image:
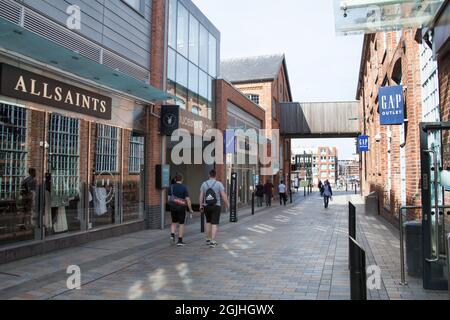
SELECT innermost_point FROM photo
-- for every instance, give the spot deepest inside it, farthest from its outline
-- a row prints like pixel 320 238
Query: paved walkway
pixel 294 252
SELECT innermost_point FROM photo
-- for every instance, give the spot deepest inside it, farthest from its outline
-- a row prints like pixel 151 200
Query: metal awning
pixel 26 43
pixel 371 16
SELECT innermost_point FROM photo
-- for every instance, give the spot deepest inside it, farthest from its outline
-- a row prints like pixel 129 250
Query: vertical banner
pixel 233 198
pixel 392 105
pixel 363 144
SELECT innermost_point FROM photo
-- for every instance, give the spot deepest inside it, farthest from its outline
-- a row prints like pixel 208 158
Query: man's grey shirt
pixel 217 186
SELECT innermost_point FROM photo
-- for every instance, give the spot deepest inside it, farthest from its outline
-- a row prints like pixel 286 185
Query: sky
pixel 321 65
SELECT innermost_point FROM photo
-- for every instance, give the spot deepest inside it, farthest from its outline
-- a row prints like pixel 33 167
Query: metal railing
pixel 402 250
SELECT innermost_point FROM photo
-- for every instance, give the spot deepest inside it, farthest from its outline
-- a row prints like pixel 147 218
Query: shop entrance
pixel 435 206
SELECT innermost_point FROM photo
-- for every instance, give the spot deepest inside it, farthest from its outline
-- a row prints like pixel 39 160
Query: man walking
pixel 268 192
pixel 179 201
pixel 327 193
pixel 259 194
pixel 282 193
pixel 211 193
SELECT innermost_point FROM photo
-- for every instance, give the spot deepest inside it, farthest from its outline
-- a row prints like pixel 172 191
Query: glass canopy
pixel 371 16
pixel 17 39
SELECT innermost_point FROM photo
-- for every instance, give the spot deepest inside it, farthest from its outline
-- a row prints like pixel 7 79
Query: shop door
pixel 434 228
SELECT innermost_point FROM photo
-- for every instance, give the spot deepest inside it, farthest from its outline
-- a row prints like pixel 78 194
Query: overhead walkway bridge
pixel 320 120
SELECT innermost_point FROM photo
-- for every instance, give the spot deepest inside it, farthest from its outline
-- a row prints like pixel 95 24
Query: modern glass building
pixel 193 57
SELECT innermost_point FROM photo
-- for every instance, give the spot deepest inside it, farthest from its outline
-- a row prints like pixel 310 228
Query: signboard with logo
pixel 233 198
pixel 28 86
pixel 391 102
pixel 170 119
pixel 363 144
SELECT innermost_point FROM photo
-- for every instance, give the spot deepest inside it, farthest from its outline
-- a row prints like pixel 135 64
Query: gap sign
pixel 363 144
pixel 391 105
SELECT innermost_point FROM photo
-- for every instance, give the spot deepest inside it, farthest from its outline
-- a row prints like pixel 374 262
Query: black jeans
pixel 268 200
pixel 326 201
pixel 283 198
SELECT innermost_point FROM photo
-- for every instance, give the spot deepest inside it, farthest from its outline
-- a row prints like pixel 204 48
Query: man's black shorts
pixel 178 215
pixel 212 214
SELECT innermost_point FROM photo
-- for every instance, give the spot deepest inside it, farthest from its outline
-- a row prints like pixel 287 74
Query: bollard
pixel 253 203
pixel 304 191
pixel 290 195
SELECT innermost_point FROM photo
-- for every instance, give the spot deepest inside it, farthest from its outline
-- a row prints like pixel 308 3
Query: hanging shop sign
pixel 170 119
pixel 363 144
pixel 233 198
pixel 28 86
pixel 392 105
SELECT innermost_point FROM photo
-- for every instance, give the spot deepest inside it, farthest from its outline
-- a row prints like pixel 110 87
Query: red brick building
pixel 265 80
pixel 391 169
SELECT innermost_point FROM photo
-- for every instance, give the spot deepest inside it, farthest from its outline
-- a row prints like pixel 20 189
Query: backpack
pixel 210 195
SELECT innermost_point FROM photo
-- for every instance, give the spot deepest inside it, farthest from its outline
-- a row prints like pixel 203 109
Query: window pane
pixel 203 85
pixel 182 30
pixel 172 23
pixel 193 78
pixel 171 64
pixel 204 39
pixel 193 39
pixel 182 95
pixel 212 56
pixel 182 71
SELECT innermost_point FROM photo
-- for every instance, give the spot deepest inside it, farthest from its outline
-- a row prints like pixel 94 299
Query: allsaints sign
pixel 25 85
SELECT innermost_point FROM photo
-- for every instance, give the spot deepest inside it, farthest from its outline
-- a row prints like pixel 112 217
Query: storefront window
pixel 63 211
pixel 107 149
pixel 133 184
pixel 18 190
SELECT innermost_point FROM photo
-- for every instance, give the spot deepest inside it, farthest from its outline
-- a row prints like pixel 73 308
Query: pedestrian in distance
pixel 320 188
pixel 282 193
pixel 179 202
pixel 211 193
pixel 327 193
pixel 259 193
pixel 268 192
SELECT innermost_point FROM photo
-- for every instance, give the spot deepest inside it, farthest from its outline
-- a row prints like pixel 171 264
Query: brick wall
pixel 444 94
pixel 385 58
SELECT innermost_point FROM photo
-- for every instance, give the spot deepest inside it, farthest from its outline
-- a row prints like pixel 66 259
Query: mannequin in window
pixel 48 219
pixel 28 194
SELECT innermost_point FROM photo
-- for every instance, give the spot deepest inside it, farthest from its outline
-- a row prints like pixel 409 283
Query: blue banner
pixel 392 105
pixel 363 144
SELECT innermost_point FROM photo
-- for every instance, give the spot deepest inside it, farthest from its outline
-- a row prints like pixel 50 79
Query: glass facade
pixel 60 173
pixel 192 61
